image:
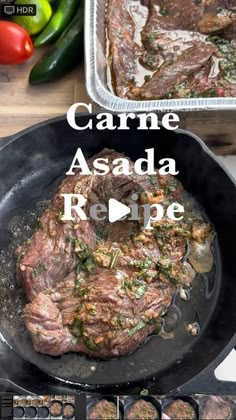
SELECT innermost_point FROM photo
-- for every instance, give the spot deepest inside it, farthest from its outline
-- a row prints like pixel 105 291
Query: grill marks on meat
pixel 111 285
pixel 173 31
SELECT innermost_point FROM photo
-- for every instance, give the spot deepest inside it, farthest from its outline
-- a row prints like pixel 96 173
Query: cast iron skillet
pixel 32 163
pixel 18 412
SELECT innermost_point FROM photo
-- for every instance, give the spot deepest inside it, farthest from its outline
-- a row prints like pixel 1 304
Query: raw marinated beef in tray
pixel 162 49
pixel 102 288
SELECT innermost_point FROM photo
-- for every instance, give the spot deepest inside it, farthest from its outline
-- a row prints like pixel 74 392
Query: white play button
pixel 116 210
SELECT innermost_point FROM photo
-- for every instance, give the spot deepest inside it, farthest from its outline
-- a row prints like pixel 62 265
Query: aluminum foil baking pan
pixel 96 74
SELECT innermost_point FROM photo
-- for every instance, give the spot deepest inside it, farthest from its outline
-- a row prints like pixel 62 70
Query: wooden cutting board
pixel 22 105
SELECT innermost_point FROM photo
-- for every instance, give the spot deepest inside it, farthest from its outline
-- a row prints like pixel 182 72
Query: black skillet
pixel 43 412
pixel 18 412
pixel 31 166
pixel 31 412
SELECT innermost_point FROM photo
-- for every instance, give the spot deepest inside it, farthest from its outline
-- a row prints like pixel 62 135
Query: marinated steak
pixel 165 79
pixel 102 288
pixel 105 410
pixel 124 51
pixel 218 409
pixel 106 315
pixel 143 410
pixel 180 410
pixel 178 40
pixel 49 255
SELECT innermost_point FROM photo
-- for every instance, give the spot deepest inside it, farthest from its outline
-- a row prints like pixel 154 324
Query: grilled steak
pixel 101 288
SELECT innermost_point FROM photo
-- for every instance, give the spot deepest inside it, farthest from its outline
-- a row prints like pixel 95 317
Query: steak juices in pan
pixel 101 288
pixel 172 49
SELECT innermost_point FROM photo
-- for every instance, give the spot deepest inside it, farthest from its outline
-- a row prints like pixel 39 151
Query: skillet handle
pixel 4 141
pixel 206 381
pixel 208 384
pixel 7 386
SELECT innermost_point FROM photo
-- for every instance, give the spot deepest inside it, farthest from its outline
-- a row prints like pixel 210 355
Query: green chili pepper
pixel 60 20
pixel 64 55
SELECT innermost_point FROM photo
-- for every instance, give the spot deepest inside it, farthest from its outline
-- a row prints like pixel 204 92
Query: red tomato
pixel 15 43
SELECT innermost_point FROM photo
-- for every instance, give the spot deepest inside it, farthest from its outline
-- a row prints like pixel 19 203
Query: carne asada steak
pixel 102 288
pixel 217 408
pixel 178 38
pixel 169 76
pixel 180 410
pixel 124 49
pixel 142 409
pixel 103 410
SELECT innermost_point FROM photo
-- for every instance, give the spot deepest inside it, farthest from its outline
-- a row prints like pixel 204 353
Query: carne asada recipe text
pixel 147 121
pixel 121 167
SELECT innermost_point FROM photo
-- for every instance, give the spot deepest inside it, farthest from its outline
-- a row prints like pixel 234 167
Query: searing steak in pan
pixel 142 409
pixel 103 410
pixel 102 288
pixel 49 255
pixel 179 410
pixel 40 156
